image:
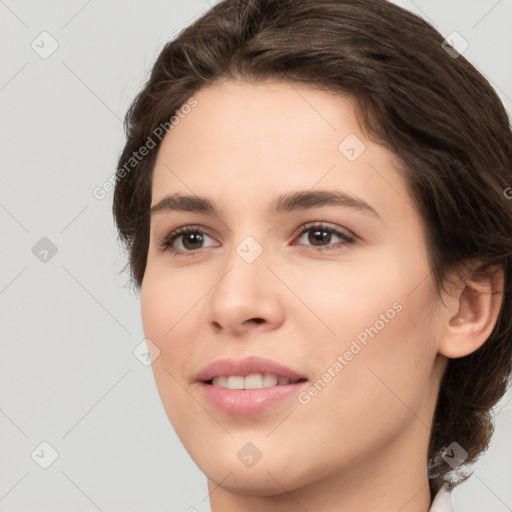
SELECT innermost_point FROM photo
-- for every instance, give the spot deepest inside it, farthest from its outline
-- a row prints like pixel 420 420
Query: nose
pixel 247 297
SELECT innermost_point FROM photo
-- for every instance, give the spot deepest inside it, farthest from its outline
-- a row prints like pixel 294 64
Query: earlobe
pixel 472 312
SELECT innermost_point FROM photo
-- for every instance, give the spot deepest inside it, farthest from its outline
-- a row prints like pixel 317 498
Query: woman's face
pixel 336 288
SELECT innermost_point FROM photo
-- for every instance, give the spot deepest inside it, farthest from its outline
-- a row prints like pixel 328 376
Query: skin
pixel 361 443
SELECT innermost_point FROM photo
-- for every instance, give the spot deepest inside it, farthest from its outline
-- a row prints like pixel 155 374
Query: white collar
pixel 442 501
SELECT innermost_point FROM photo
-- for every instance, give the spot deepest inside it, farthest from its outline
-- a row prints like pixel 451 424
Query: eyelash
pixel 168 240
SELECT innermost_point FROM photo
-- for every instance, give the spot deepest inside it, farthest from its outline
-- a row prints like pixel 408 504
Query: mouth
pixel 248 386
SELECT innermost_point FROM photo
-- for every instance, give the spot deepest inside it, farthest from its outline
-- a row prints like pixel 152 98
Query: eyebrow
pixel 302 200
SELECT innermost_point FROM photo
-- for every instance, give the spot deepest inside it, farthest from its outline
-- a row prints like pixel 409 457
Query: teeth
pixel 236 383
pixel 253 381
pixel 222 382
pixel 270 380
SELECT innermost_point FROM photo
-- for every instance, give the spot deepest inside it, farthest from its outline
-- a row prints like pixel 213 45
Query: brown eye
pixel 192 240
pixel 187 240
pixel 320 237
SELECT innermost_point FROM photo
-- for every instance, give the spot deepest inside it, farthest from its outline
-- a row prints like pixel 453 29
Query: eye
pixel 190 238
pixel 320 236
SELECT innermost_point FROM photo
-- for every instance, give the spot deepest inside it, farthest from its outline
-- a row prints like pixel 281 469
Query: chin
pixel 252 481
pixel 266 477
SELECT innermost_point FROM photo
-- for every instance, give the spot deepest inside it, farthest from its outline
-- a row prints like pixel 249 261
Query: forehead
pixel 265 118
pixel 245 139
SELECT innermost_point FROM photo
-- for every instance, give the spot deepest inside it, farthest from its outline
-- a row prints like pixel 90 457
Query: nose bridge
pixel 246 265
pixel 248 246
pixel 244 292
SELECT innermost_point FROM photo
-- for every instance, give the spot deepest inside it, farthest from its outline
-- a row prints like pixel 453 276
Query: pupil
pixel 319 235
pixel 195 238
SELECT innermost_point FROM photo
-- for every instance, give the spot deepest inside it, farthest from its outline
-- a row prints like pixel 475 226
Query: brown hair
pixel 440 118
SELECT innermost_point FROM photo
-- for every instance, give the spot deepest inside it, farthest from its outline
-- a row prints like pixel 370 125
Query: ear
pixel 472 306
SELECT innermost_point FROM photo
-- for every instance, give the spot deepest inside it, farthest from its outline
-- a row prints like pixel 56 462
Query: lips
pixel 249 386
pixel 248 366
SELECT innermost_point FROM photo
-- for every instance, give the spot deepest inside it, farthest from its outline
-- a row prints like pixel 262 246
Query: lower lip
pixel 244 402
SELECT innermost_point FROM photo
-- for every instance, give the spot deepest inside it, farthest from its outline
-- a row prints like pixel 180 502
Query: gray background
pixel 68 375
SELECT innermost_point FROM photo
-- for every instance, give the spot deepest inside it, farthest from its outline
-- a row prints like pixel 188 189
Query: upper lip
pixel 244 367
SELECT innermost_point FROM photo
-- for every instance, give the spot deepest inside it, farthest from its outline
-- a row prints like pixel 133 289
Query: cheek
pixel 157 304
pixel 384 374
pixel 167 298
pixel 378 321
pixel 345 298
pixel 165 304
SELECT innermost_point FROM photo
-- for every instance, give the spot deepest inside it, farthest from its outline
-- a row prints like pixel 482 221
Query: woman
pixel 313 197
